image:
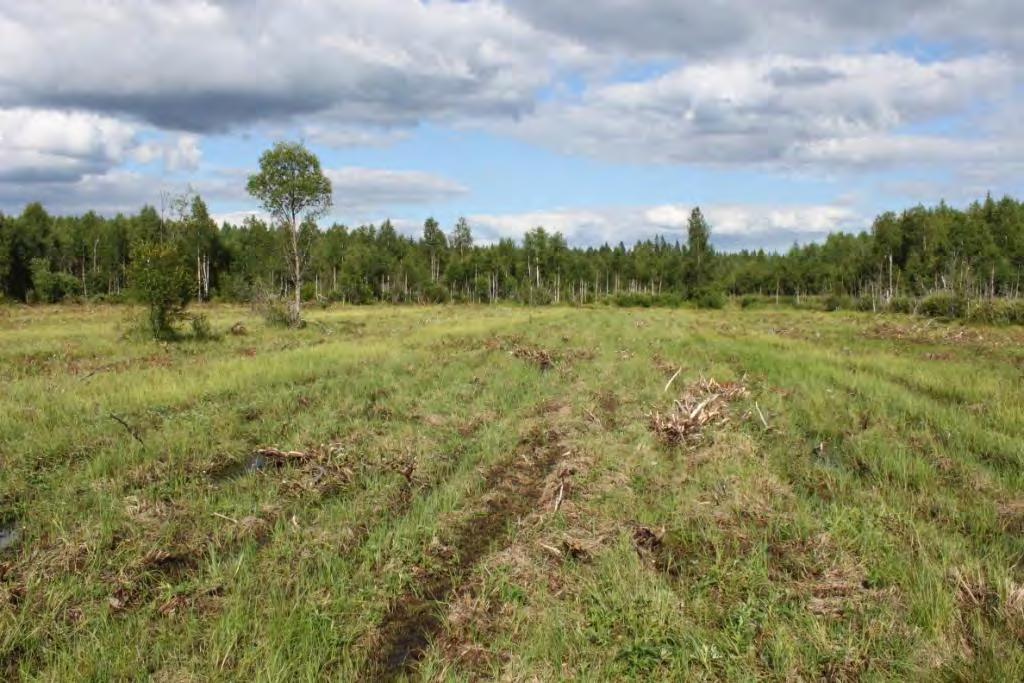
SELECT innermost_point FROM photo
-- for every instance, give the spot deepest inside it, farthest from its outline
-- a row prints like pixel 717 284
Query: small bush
pixel 943 305
pixel 162 281
pixel 201 328
pixel 837 302
pixel 997 312
pixel 709 298
pixel 864 304
pixel 749 301
pixel 50 287
pixel 901 304
pixel 1015 311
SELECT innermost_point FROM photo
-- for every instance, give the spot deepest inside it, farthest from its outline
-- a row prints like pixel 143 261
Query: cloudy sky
pixel 605 119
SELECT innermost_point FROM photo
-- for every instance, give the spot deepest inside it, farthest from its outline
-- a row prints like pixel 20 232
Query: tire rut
pixel 512 490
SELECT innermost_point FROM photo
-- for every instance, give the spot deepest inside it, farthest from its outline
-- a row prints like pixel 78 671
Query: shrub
pixel 997 312
pixel 1015 311
pixel 49 286
pixel 837 302
pixel 864 304
pixel 709 298
pixel 749 301
pixel 161 280
pixel 901 304
pixel 943 305
pixel 201 328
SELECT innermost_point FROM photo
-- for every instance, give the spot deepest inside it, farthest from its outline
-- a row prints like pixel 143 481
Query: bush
pixel 864 304
pixel 901 304
pixel 943 305
pixel 49 286
pixel 837 302
pixel 201 328
pixel 997 312
pixel 1015 311
pixel 435 293
pixel 749 301
pixel 709 298
pixel 161 280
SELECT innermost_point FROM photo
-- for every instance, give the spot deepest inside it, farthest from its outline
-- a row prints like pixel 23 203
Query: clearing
pixel 504 492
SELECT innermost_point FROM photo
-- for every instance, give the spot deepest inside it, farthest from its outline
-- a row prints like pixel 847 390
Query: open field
pixel 464 493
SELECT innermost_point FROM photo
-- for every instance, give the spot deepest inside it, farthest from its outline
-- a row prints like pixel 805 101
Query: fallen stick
pixel 673 379
pixel 703 404
pixel 128 427
pixel 561 492
pixel 283 455
pixel 761 415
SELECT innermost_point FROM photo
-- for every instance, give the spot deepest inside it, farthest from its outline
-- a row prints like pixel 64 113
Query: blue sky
pixel 605 120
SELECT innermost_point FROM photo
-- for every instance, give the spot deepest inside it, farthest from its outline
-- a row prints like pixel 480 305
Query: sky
pixel 607 120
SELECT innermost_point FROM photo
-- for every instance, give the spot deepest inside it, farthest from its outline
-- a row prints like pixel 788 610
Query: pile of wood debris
pixel 705 402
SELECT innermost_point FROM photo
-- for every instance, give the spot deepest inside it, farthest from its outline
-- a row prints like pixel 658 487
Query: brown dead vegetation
pixel 542 358
pixel 827 580
pixel 704 403
pixel 999 602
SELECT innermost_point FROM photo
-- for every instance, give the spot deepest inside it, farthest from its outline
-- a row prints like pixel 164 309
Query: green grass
pixel 874 530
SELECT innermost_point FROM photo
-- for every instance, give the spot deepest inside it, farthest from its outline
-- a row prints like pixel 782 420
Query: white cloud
pixel 776 111
pixel 702 28
pixel 42 145
pixel 364 190
pixel 733 226
pixel 177 153
pixel 208 65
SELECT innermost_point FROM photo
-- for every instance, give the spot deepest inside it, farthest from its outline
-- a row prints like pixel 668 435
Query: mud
pixel 9 536
pixel 513 490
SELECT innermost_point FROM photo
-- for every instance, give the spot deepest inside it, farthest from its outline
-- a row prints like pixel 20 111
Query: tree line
pixel 976 252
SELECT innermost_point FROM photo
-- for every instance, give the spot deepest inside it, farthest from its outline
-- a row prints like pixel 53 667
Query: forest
pixel 972 253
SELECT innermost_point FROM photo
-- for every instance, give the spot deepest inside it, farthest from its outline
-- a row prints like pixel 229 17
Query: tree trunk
pixel 297 265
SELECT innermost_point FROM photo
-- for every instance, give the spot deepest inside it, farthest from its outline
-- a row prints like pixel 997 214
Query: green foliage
pixel 838 302
pixel 871 532
pixel 293 189
pixel 709 297
pixel 201 328
pixel 52 286
pixel 290 185
pixel 161 281
pixel 944 305
pixel 700 266
pixel 901 304
pixel 997 312
pixel 976 252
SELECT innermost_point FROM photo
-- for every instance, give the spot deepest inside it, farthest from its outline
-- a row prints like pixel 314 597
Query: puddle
pixel 238 469
pixel 9 537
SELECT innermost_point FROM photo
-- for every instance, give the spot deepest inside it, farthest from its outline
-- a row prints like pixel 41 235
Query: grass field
pixel 464 493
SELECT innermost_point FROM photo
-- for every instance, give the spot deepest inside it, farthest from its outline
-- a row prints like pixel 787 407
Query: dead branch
pixel 673 379
pixel 128 427
pixel 761 415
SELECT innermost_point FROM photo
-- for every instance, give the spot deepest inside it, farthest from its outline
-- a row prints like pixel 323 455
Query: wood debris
pixel 704 403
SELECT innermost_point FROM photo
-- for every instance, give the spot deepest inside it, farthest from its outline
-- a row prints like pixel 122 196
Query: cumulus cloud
pixel 362 190
pixel 205 65
pixel 108 193
pixel 106 104
pixel 733 226
pixel 703 28
pixel 771 111
pixel 42 145
pixel 180 152
pixel 359 193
